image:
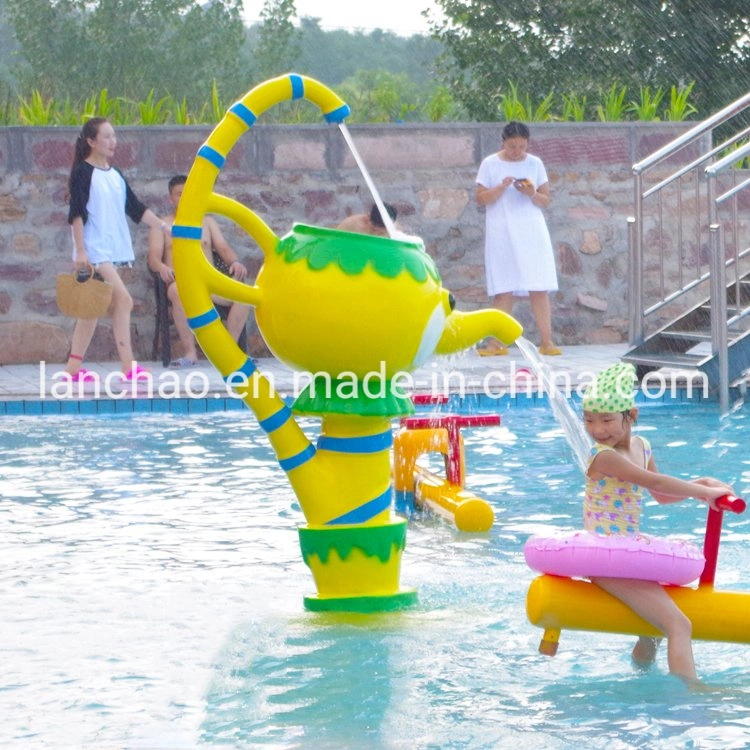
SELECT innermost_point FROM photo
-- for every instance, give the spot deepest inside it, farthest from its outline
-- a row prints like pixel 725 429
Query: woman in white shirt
pixel 100 202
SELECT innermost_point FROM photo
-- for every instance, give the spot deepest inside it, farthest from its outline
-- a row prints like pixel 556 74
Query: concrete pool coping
pixel 33 389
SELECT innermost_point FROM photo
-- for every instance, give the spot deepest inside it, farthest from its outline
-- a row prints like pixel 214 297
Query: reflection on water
pixel 151 588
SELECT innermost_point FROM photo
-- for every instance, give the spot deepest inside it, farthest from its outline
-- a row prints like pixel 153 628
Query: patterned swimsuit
pixel 612 506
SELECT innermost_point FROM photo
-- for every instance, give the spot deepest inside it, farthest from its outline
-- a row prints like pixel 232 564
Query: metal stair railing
pixel 681 204
pixel 720 320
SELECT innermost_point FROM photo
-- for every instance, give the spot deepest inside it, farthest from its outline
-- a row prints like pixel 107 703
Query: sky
pixel 399 16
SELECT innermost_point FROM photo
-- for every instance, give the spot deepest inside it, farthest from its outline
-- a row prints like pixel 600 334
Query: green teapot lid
pixel 353 252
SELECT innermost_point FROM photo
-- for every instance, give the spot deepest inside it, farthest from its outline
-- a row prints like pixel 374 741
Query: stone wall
pixel 307 174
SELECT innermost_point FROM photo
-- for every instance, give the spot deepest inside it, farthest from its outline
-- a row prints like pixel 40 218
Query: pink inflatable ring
pixel 586 555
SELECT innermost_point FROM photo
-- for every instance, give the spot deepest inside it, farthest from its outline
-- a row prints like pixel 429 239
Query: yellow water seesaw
pixel 556 603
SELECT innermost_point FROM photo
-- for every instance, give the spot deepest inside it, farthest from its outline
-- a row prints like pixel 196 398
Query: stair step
pixel 700 333
pixel 697 335
pixel 657 360
pixel 731 309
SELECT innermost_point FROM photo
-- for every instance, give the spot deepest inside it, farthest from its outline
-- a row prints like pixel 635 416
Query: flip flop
pixel 180 362
pixel 136 374
pixel 550 351
pixel 82 376
pixel 499 351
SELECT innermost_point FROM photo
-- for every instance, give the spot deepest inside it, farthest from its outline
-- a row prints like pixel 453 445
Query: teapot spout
pixel 464 329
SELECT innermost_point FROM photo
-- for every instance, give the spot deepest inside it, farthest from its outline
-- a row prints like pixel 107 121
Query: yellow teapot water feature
pixel 356 312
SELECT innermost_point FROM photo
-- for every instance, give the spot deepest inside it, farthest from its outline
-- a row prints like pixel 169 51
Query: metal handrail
pixel 696 162
pixel 727 161
pixel 736 189
pixel 703 211
pixel 693 134
pixel 719 336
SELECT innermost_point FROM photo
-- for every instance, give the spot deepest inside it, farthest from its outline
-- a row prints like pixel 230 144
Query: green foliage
pixel 374 96
pixel 166 62
pixel 612 107
pixel 574 107
pixel 515 107
pixel 36 110
pixel 126 46
pixel 217 108
pixel 333 56
pixel 68 114
pixel 646 108
pixel 154 112
pixel 380 96
pixel 278 41
pixel 103 105
pixel 580 46
pixel 180 113
pixel 679 106
pixel 441 105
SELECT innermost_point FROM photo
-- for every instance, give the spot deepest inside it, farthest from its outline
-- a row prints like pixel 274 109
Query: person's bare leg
pixel 541 309
pixel 122 305
pixel 653 604
pixel 502 302
pixel 237 319
pixel 644 651
pixel 79 343
pixel 180 323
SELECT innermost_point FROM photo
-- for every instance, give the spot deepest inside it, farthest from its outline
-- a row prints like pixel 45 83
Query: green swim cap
pixel 612 391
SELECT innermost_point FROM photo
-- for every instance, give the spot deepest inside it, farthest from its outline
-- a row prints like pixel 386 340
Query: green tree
pixel 278 46
pixel 579 46
pixel 381 96
pixel 74 47
pixel 8 46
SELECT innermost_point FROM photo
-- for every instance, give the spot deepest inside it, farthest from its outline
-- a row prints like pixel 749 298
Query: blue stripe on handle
pixel 244 113
pixel 287 464
pixel 186 232
pixel 298 86
pixel 365 512
pixel 363 444
pixel 212 155
pixel 247 369
pixel 338 115
pixel 204 319
pixel 279 419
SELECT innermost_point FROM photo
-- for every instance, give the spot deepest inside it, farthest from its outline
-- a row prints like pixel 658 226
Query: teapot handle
pixel 196 277
pixel 198 197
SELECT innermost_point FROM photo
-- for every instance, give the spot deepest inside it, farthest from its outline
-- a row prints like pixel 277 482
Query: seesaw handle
pixel 731 503
pixel 713 534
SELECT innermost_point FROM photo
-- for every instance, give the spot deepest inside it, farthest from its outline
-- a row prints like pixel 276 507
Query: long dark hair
pixel 89 131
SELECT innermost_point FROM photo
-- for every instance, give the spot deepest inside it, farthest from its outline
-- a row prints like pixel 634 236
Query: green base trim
pixel 374 541
pixel 365 604
pixel 344 396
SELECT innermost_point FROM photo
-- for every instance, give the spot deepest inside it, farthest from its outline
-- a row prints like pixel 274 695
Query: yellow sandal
pixel 492 351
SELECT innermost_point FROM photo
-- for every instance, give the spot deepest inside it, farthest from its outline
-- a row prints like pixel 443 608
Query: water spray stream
pixel 387 221
pixel 570 422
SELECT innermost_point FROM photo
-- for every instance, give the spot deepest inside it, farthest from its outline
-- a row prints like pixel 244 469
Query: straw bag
pixel 88 297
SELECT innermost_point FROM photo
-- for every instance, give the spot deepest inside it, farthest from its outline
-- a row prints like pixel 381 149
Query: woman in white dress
pixel 513 187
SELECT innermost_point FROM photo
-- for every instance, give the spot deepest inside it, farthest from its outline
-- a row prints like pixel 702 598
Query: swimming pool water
pixel 152 583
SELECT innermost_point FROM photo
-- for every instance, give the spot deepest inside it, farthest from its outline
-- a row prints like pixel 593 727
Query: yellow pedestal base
pixel 356 568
